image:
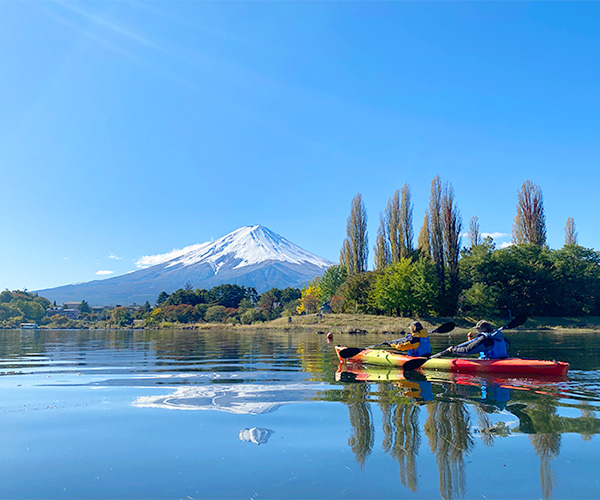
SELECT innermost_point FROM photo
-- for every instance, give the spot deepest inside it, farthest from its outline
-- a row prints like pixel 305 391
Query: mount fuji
pixel 251 256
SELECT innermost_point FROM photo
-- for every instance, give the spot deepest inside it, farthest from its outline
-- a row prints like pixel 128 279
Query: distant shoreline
pixel 362 323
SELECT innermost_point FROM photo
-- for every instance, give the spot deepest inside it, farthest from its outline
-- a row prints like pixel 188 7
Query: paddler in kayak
pixel 489 343
pixel 416 343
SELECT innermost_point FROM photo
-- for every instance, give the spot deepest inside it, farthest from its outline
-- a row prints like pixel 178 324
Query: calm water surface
pixel 192 415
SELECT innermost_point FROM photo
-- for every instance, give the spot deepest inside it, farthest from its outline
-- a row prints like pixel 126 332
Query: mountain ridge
pixel 252 256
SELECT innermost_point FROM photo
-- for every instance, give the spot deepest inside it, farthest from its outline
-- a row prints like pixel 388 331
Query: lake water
pixel 191 415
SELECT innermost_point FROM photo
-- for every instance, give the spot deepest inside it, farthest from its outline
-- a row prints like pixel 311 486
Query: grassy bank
pixel 348 323
pixel 358 323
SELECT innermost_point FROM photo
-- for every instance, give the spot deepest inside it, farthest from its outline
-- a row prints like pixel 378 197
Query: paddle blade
pixel 349 352
pixel 413 364
pixel 445 328
pixel 518 321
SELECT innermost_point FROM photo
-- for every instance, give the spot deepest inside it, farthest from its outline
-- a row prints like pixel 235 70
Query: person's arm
pixel 408 342
pixel 479 344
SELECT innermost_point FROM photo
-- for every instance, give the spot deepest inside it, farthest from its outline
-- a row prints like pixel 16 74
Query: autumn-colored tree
pixel 570 233
pixel 182 313
pixel 355 248
pixel 530 222
pixel 337 303
pixel 309 302
pixel 121 316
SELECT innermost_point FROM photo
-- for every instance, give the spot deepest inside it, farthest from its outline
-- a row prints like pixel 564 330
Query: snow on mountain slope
pixel 252 256
pixel 248 245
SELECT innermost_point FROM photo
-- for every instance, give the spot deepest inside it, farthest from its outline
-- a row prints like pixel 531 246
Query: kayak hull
pixel 512 366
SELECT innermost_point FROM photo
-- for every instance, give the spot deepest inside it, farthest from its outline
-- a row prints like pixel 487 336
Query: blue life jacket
pixel 497 350
pixel 424 348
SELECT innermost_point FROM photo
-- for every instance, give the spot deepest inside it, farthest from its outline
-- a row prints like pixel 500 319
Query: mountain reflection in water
pixel 251 399
pixel 459 408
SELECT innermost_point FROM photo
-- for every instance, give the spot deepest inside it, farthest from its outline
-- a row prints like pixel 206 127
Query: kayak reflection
pixel 415 385
pixel 461 410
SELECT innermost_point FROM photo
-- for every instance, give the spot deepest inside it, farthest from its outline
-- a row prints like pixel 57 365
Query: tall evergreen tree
pixel 530 222
pixel 474 234
pixel 570 233
pixel 393 230
pixel 423 242
pixel 84 307
pixel 406 223
pixel 382 247
pixel 355 248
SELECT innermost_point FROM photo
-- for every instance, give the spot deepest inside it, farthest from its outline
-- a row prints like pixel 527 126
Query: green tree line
pixel 440 277
pixel 227 303
pixel 21 307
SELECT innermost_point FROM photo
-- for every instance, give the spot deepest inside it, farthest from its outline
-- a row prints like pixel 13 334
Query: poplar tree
pixel 436 233
pixel 345 254
pixel 355 248
pixel 393 230
pixel 530 222
pixel 451 225
pixel 406 223
pixel 474 234
pixel 423 241
pixel 570 233
pixel 382 247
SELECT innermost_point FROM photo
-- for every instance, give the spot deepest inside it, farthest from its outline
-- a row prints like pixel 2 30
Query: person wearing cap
pixel 416 343
pixel 489 343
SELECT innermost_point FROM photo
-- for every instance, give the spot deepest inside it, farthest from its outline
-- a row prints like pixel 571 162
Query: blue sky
pixel 133 128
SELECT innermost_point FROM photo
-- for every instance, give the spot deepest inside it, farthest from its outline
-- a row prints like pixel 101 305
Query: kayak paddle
pixel 413 364
pixel 349 352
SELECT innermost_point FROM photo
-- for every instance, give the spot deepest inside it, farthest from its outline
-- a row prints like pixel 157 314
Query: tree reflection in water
pixel 447 428
pixel 546 443
pixel 452 402
pixel 401 435
pixel 363 434
pixel 487 431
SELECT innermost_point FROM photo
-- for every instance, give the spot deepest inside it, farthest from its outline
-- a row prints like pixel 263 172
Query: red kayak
pixel 507 366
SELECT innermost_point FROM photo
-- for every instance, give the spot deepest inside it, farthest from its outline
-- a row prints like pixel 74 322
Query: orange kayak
pixel 509 366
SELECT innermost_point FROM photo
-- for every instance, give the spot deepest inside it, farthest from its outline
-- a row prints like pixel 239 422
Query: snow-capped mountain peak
pixel 248 245
pixel 251 256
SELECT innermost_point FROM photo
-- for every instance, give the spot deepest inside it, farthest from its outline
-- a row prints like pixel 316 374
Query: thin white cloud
pixel 153 260
pixel 485 235
pixel 104 273
pixel 506 244
pixel 494 235
pixel 115 257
